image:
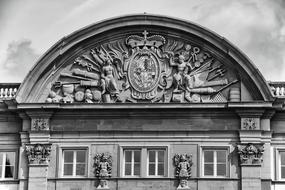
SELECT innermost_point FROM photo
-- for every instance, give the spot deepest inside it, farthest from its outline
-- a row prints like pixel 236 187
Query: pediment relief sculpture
pixel 145 69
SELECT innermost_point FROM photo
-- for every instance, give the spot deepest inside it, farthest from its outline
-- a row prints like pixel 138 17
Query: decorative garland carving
pixel 40 124
pixel 182 163
pixel 38 154
pixel 250 123
pixel 103 169
pixel 250 154
pixel 148 68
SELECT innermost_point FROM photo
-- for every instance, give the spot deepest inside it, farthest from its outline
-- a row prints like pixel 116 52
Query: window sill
pixel 9 181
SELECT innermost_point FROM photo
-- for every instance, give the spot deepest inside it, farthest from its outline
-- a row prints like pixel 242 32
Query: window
pixel 144 162
pixel 214 163
pixel 7 165
pixel 74 163
pixel 282 165
pixel 156 161
pixel 132 162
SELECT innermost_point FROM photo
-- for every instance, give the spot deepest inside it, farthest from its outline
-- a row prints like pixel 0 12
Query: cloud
pixel 257 27
pixel 18 59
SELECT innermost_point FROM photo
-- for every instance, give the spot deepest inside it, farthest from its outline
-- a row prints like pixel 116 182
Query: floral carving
pixel 40 124
pixel 250 123
pixel 103 168
pixel 250 154
pixel 144 68
pixel 182 163
pixel 38 153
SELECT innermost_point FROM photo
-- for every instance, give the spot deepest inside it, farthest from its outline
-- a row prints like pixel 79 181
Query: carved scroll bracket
pixel 38 154
pixel 250 154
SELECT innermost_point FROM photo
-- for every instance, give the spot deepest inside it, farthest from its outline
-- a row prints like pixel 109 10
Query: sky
pixel 28 28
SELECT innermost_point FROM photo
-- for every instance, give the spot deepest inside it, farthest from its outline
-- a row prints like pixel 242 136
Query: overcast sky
pixel 28 28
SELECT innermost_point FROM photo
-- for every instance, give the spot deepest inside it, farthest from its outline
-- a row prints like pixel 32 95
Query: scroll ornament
pixel 103 169
pixel 144 68
pixel 182 163
pixel 250 154
pixel 38 154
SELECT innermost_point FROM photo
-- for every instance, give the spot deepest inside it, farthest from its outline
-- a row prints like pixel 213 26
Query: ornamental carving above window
pixel 251 154
pixel 145 68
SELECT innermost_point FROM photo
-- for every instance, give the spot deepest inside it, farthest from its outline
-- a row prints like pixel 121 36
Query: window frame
pixel 73 149
pixel 15 164
pixel 144 161
pixel 132 162
pixel 215 149
pixel 278 170
pixel 156 162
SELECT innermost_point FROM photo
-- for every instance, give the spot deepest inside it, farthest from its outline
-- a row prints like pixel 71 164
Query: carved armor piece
pixel 103 168
pixel 38 153
pixel 250 154
pixel 183 163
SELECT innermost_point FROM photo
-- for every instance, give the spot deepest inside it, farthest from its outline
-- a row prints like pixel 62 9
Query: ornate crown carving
pixel 136 41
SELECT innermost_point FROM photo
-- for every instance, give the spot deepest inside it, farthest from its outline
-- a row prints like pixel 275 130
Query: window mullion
pixel 156 163
pixel 132 163
pixel 215 163
pixel 74 164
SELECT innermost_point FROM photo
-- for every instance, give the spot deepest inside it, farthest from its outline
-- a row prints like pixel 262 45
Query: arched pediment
pixel 143 59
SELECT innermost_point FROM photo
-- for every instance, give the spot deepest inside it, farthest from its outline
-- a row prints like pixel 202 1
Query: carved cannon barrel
pixel 208 90
pixel 86 74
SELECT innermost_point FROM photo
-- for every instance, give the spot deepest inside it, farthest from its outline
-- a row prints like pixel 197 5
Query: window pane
pixel 282 172
pixel 1 171
pixel 137 156
pixel 1 159
pixel 160 169
pixel 151 169
pixel 208 156
pixel 80 169
pixel 221 169
pixel 67 170
pixel 68 156
pixel 208 169
pixel 282 155
pixel 9 171
pixel 128 169
pixel 160 156
pixel 136 169
pixel 80 156
pixel 221 156
pixel 10 158
pixel 128 156
pixel 151 156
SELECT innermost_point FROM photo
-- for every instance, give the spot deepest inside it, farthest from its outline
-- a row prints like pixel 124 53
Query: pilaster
pixel 38 149
pixel 23 170
pixel 38 157
pixel 251 148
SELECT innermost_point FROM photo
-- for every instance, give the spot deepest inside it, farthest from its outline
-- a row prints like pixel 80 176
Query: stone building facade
pixel 143 102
